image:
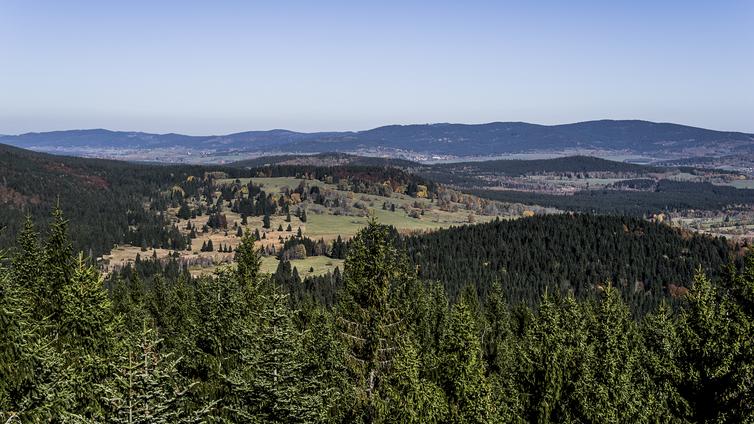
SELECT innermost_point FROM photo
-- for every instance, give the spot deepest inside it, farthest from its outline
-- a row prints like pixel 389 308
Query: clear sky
pixel 211 67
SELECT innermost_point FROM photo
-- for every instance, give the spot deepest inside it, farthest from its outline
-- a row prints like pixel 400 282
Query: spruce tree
pixel 662 350
pixel 369 313
pixel 463 371
pixel 87 329
pixel 222 345
pixel 715 356
pixel 173 309
pixel 551 359
pixel 147 387
pixel 277 390
pixel 741 292
pixel 32 386
pixel 613 382
pixel 128 299
pixel 409 398
pixel 431 309
pixel 248 260
pixel 501 349
pixel 27 267
pixel 58 266
pixel 324 367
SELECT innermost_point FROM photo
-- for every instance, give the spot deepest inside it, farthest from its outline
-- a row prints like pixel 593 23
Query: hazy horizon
pixel 202 68
pixel 360 129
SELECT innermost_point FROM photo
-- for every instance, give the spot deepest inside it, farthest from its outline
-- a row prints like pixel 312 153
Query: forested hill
pixel 441 138
pixel 507 167
pixel 101 197
pixel 646 197
pixel 572 253
pixel 574 164
pixel 114 202
pixel 506 137
pixel 325 159
pixel 478 174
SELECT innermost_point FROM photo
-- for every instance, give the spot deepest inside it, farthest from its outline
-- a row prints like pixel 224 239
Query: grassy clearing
pixel 574 182
pixel 742 184
pixel 325 225
pixel 320 264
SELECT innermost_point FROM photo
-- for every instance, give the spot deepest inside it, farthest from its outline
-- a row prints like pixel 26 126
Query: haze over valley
pixel 639 141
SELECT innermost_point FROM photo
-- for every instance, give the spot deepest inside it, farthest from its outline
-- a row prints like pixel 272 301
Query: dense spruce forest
pixel 470 173
pixel 648 263
pixel 394 347
pixel 103 198
pixel 578 254
pixel 662 195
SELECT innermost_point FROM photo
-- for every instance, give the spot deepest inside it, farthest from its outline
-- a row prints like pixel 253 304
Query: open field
pixel 322 223
pixel 742 184
pixel 320 264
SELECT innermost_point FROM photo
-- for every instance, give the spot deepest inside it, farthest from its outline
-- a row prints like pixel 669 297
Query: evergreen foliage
pixel 161 346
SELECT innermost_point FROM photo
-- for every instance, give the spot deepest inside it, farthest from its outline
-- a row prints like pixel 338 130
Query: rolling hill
pixel 459 140
pixel 102 199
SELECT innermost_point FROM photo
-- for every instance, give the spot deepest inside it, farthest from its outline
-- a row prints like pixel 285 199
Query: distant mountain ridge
pixel 459 140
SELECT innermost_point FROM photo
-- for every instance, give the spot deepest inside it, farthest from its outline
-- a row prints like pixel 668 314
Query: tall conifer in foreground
pixel 613 381
pixel 370 313
pixel 409 398
pixel 278 387
pixel 27 266
pixel 58 266
pixel 147 388
pixel 88 339
pixel 716 355
pixel 31 387
pixel 662 350
pixel 463 370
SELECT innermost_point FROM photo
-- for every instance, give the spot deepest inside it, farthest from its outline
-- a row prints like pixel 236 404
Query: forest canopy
pixel 393 348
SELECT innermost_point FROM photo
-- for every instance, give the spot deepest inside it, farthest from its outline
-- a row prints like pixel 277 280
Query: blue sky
pixel 215 67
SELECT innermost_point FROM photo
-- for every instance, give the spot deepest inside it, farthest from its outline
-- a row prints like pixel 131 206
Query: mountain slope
pixel 641 137
pixel 516 167
pixel 325 159
pixel 102 199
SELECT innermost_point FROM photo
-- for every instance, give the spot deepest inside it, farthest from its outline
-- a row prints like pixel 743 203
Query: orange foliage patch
pixel 91 180
pixel 12 197
pixel 677 291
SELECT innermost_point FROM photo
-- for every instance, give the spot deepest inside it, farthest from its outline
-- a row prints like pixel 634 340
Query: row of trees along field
pixel 229 348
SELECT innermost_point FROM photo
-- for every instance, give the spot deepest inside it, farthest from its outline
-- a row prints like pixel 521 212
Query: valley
pixel 342 214
pixel 174 212
pixel 376 212
pixel 621 140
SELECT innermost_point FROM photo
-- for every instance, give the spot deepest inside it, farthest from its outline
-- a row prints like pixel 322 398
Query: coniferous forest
pixel 395 344
pixel 330 212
